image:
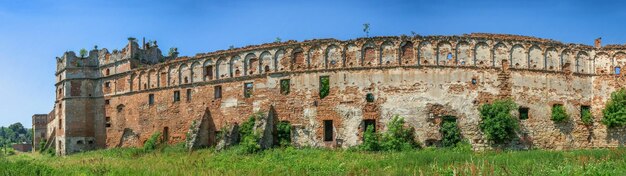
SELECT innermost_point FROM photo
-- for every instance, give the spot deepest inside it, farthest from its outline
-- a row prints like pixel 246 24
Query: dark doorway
pixel 328 130
pixel 166 134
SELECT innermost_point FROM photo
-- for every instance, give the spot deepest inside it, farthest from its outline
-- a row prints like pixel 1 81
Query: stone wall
pixel 420 78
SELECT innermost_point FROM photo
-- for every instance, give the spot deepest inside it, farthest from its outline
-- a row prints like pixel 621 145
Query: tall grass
pixel 175 160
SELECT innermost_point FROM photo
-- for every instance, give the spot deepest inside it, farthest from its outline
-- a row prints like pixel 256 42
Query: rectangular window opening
pixel 151 99
pixel 284 86
pixel 108 122
pixel 176 96
pixel 324 86
pixel 618 70
pixel 523 113
pixel 107 102
pixel 247 90
pixel 328 130
pixel 217 92
pixel 188 95
pixel 107 84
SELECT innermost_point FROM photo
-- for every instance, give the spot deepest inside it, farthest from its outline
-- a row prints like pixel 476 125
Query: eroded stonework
pixel 120 99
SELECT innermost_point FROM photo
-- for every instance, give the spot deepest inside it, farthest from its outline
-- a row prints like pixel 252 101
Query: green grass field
pixel 289 161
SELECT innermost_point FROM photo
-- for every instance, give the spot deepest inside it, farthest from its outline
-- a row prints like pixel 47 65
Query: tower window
pixel 108 122
pixel 618 70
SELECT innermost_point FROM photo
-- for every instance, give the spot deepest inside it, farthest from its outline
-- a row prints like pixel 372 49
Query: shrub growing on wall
pixel 496 121
pixel 450 132
pixel 615 110
pixel 558 113
pixel 152 142
pixel 585 116
pixel 371 140
pixel 398 137
pixel 324 86
pixel 249 138
pixel 284 133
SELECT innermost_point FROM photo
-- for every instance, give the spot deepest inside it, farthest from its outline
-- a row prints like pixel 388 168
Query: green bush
pixel 83 52
pixel 397 137
pixel 152 142
pixel 496 121
pixel 371 140
pixel 585 116
pixel 247 127
pixel 450 132
pixel 250 139
pixel 559 114
pixel 284 133
pixel 615 110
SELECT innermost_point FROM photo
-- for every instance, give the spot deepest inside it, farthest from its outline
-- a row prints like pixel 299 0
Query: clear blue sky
pixel 34 32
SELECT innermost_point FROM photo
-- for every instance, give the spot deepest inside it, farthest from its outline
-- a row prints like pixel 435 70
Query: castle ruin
pixel 119 99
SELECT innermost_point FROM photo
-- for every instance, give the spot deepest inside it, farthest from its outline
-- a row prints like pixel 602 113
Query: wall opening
pixel 328 130
pixel 618 70
pixel 449 57
pixel 166 134
pixel 79 142
pixel 368 123
pixel 217 92
pixel 450 132
pixel 107 72
pixel 474 81
pixel 267 69
pixel 369 97
pixel 176 96
pixel 107 84
pixel 208 72
pixel 284 86
pixel 120 108
pixel 186 80
pixel 107 102
pixel 523 113
pixel 247 89
pixel 150 99
pixel 188 95
pixel 107 122
pixel 324 86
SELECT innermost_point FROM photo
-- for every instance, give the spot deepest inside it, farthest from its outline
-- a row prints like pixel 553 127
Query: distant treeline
pixel 15 133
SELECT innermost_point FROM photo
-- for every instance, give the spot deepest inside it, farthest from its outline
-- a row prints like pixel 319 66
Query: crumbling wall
pixel 421 79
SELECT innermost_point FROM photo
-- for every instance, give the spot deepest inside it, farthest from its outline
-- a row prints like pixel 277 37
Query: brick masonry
pixel 103 99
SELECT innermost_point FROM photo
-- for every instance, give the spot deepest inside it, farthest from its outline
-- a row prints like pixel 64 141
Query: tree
pixel 366 29
pixel 278 39
pixel 173 51
pixel 496 121
pixel 83 53
pixel 614 113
